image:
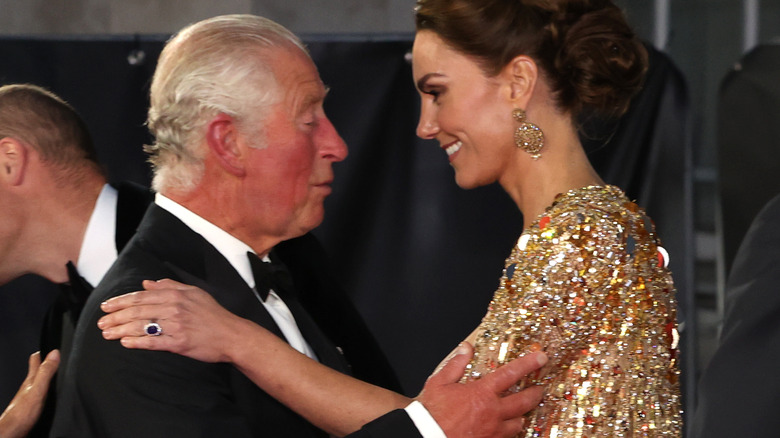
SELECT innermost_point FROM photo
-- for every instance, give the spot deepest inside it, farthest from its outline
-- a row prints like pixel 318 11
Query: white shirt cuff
pixel 423 420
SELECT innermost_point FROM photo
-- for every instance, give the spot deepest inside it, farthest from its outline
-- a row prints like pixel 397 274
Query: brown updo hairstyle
pixel 584 48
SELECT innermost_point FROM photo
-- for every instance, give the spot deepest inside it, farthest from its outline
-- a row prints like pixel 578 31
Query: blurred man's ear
pixel 13 160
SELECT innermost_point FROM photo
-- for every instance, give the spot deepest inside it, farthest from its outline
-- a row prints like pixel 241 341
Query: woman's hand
pixel 25 408
pixel 193 324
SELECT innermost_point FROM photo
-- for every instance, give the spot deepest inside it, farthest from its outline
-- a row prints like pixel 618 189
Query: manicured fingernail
pixel 541 359
pixel 462 349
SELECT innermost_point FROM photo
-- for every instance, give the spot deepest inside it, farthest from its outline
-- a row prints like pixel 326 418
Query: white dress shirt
pixel 423 420
pixel 98 249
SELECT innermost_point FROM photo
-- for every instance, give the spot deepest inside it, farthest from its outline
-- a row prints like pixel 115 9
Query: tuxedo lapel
pixel 326 351
pixel 196 262
pixel 231 292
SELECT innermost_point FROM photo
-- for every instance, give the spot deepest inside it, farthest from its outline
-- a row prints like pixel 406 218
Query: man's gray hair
pixel 220 65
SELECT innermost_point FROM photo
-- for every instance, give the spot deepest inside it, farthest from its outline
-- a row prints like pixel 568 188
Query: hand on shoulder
pixel 479 408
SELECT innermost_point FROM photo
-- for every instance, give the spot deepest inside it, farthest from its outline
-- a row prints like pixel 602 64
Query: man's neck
pixel 219 211
pixel 55 235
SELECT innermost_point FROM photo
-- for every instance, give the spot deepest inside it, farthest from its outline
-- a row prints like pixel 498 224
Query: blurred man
pixel 740 383
pixel 60 220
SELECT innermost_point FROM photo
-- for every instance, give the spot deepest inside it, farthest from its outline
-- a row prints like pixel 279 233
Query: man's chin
pixel 311 221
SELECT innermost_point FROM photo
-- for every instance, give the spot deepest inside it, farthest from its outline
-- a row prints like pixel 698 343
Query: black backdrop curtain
pixel 420 256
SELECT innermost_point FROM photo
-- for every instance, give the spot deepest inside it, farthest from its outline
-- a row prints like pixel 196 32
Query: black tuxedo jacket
pixel 738 390
pixel 112 391
pixel 60 320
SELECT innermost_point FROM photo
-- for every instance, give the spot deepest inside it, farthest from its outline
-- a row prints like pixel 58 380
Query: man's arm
pixel 21 414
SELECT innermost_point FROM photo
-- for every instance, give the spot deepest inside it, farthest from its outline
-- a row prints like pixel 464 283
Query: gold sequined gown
pixel 586 283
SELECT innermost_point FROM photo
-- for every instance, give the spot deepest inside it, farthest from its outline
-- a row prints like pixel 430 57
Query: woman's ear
pixel 222 137
pixel 521 74
pixel 13 161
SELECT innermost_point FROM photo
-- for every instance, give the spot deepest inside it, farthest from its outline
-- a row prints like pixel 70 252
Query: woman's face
pixel 467 112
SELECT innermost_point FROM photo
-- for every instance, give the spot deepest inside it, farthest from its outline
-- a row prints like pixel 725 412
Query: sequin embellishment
pixel 586 286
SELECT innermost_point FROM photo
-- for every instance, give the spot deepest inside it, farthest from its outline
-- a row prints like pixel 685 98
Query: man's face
pixel 290 177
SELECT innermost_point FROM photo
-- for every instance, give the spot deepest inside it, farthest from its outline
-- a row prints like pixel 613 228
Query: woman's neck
pixel 563 166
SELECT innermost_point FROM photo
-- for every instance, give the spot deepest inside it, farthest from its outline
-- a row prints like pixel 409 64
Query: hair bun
pixel 588 53
pixel 599 60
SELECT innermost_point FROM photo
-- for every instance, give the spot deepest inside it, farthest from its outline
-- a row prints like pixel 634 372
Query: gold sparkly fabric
pixel 586 283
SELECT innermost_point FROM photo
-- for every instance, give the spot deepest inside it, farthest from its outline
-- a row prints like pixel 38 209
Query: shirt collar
pixel 98 249
pixel 229 246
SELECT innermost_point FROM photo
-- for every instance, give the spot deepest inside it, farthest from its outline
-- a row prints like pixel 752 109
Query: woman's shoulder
pixel 596 207
pixel 599 219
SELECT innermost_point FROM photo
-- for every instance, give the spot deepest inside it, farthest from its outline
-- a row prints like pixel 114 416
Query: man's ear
pixel 521 74
pixel 222 137
pixel 13 160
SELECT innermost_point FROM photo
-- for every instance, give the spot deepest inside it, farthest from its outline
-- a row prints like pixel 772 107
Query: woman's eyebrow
pixel 424 80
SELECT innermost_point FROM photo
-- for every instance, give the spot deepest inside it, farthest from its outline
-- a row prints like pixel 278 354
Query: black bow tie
pixel 270 275
pixel 76 291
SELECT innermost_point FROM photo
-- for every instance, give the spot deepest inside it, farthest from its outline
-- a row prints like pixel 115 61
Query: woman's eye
pixel 434 93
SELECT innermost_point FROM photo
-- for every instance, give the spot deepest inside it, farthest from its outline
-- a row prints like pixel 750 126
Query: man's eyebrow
pixel 319 97
pixel 313 99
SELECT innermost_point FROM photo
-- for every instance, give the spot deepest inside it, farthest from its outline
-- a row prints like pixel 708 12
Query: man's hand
pixel 25 408
pixel 477 408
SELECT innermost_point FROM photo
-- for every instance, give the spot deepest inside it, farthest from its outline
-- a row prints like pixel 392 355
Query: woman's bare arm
pixel 195 325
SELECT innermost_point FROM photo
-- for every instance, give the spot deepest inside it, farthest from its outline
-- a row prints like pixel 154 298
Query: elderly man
pixel 243 162
pixel 60 220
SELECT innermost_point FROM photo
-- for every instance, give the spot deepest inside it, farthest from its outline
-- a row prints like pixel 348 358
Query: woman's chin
pixel 466 183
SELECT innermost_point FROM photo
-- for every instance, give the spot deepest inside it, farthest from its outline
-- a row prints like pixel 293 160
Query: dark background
pixel 420 256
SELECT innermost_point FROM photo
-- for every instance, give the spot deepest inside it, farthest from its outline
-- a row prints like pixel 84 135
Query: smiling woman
pixel 502 84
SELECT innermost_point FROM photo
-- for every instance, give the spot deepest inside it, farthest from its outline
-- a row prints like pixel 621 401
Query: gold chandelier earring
pixel 528 136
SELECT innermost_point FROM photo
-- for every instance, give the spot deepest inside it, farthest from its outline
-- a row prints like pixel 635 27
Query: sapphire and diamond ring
pixel 153 329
